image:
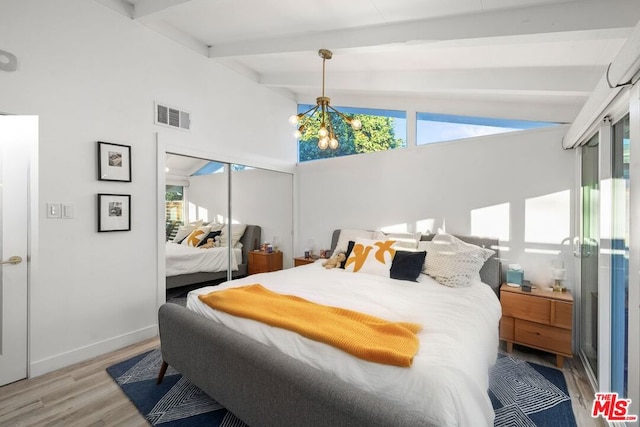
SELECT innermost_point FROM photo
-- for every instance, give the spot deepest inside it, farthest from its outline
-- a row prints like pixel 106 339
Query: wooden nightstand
pixel 300 260
pixel 264 262
pixel 539 319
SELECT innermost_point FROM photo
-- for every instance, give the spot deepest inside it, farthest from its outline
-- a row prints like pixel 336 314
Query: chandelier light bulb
pixel 323 143
pixel 356 124
pixel 297 134
pixel 322 133
pixel 333 143
pixel 293 120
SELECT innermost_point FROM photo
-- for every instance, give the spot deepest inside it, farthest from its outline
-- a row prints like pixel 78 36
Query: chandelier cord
pixel 324 60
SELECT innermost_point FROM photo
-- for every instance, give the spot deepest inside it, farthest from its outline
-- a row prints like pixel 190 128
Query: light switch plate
pixel 53 210
pixel 67 210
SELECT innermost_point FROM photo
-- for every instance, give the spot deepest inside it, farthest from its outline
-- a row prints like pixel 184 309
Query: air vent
pixel 172 117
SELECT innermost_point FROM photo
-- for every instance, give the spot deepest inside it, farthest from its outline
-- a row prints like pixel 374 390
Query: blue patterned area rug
pixel 175 401
pixel 523 394
pixel 526 394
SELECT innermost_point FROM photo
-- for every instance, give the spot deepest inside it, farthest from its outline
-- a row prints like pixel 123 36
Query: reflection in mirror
pixel 193 222
pixel 197 201
pixel 265 197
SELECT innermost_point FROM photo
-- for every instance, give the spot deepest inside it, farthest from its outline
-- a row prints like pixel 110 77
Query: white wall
pixel 446 183
pixel 91 74
pixel 259 196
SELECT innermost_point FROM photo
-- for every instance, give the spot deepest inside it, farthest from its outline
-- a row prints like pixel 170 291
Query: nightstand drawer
pixel 542 336
pixel 562 314
pixel 506 328
pixel 526 307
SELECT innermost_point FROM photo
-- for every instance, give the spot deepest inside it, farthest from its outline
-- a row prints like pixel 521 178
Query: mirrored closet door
pixel 251 205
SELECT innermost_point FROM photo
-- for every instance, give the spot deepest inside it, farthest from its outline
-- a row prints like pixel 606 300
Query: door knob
pixel 13 260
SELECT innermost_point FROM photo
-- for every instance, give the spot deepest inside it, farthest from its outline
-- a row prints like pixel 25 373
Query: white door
pixel 17 135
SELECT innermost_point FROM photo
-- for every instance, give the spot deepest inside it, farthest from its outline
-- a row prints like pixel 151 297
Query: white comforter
pixel 183 259
pixel 448 380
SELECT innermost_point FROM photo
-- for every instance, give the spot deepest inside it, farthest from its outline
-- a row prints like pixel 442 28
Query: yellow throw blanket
pixel 367 337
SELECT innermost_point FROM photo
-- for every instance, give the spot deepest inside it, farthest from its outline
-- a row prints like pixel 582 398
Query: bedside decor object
pixel 558 275
pixel 515 274
pixel 114 162
pixel 114 212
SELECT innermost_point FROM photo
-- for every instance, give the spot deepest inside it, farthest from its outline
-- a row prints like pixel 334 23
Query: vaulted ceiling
pixel 545 56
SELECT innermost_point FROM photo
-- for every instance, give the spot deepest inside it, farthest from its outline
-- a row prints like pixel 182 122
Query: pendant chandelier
pixel 326 134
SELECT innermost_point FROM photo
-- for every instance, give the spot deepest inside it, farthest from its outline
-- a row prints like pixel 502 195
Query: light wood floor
pixel 79 395
pixel 85 394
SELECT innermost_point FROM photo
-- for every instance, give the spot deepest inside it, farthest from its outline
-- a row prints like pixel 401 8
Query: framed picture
pixel 114 162
pixel 114 212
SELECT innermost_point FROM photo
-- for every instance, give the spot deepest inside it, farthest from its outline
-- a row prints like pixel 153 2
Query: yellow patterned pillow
pixel 196 236
pixel 371 257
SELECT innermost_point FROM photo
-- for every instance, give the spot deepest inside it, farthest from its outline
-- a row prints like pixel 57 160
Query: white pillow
pixel 216 227
pixel 405 240
pixel 183 231
pixel 196 236
pixel 453 262
pixel 371 256
pixel 347 235
pixel 237 231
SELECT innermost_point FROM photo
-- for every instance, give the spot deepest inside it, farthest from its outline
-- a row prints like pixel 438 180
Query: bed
pixel 296 383
pixel 187 266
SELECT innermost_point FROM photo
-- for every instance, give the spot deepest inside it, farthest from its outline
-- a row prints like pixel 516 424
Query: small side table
pixel 264 262
pixel 537 319
pixel 300 260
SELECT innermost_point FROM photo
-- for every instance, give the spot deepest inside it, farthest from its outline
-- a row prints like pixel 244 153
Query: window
pixel 217 167
pixel 381 130
pixel 432 127
pixel 174 209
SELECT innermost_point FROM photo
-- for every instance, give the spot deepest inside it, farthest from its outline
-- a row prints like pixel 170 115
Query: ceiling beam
pixel 546 81
pixel 550 18
pixel 151 7
pixel 172 33
pixel 121 6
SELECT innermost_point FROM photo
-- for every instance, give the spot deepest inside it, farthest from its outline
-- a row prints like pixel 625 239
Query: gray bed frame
pixel 264 387
pixel 250 241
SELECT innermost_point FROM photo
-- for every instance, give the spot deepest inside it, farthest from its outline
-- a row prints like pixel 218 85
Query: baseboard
pixel 81 354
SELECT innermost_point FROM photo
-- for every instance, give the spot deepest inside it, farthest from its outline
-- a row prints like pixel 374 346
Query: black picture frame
pixel 114 162
pixel 114 212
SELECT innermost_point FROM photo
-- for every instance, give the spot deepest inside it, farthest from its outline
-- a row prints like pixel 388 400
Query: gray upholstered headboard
pixel 490 273
pixel 250 240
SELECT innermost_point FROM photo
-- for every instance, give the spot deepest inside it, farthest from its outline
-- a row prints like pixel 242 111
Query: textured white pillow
pixel 371 256
pixel 347 235
pixel 237 231
pixel 195 237
pixel 453 262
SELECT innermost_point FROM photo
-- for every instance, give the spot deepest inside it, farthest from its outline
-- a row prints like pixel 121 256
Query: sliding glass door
pixel 620 256
pixel 588 253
